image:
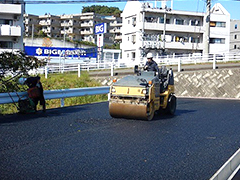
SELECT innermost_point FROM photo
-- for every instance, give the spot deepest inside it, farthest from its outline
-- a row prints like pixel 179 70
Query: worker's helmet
pixel 149 55
pixel 22 80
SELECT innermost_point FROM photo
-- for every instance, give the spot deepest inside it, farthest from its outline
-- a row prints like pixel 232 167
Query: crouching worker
pixel 35 91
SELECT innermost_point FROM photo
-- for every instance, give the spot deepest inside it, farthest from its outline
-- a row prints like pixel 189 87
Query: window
pixel 179 21
pixel 6 44
pixel 134 21
pixel 235 36
pixel 195 23
pixel 235 46
pixel 235 26
pixel 217 24
pixel 217 40
pixel 161 20
pixel 133 39
pixel 133 55
pixel 6 21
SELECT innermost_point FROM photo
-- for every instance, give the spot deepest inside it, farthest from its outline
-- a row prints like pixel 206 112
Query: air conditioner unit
pixel 15 40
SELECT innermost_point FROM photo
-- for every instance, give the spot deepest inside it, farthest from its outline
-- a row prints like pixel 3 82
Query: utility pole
pixel 32 33
pixel 164 26
pixel 207 29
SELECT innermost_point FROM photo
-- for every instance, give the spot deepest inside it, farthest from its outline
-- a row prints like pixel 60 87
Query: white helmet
pixel 149 55
pixel 22 80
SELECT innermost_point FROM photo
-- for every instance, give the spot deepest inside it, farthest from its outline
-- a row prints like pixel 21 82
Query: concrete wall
pixel 54 42
pixel 210 83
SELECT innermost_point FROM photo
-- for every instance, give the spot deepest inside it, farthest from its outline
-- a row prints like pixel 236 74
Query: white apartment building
pixel 31 24
pixel 219 30
pixel 11 26
pixel 88 22
pixel 70 26
pixel 144 30
pixel 50 25
pixel 74 26
pixel 235 36
pixel 115 26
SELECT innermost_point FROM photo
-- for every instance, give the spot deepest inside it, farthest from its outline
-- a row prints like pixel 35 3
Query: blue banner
pixel 58 51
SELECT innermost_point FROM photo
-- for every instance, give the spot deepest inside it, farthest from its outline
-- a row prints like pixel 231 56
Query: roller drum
pixel 129 111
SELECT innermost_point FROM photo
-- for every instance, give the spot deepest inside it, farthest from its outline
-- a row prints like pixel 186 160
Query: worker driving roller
pixel 140 96
pixel 151 65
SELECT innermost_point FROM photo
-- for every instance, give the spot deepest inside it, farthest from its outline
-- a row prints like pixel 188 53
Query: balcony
pixel 86 32
pixel 115 31
pixel 152 44
pixel 90 24
pixel 86 17
pixel 7 30
pixel 10 9
pixel 118 37
pixel 115 24
pixel 184 46
pixel 174 28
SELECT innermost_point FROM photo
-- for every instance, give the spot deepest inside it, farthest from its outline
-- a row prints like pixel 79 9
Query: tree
pixel 103 10
pixel 14 65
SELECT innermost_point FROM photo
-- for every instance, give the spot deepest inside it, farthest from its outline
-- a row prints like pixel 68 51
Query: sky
pixel 232 6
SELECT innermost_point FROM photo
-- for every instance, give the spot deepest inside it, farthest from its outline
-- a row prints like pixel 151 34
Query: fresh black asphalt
pixel 84 142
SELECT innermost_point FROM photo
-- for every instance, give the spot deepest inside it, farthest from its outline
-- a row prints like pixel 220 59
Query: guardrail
pixel 6 98
pixel 229 169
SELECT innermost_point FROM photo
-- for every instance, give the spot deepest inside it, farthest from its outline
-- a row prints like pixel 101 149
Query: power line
pixel 64 1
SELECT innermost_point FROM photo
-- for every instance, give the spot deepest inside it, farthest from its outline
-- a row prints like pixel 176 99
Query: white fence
pixel 63 66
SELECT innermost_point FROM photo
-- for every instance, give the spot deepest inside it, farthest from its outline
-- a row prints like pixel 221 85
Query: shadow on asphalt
pixel 18 117
pixel 163 116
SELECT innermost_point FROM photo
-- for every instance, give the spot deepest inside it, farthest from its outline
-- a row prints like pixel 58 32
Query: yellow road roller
pixel 140 96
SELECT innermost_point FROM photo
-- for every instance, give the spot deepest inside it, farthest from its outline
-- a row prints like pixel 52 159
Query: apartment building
pixel 166 31
pixel 50 25
pixel 74 26
pixel 88 22
pixel 11 25
pixel 31 24
pixel 70 26
pixel 115 26
pixel 235 36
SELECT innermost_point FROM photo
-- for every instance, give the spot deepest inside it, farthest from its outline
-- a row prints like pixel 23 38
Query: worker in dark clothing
pixel 36 91
pixel 151 65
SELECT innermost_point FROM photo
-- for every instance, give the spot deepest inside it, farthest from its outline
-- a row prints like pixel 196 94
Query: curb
pixel 229 169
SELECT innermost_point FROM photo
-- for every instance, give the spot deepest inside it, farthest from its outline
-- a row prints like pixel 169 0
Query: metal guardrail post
pixel 46 72
pixel 62 102
pixel 179 64
pixel 214 61
pixel 111 69
pixel 79 70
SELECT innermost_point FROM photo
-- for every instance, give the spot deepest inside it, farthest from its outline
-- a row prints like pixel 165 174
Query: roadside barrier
pixel 6 98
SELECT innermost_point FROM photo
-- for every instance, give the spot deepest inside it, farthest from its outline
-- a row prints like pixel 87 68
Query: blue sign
pixel 100 28
pixel 58 51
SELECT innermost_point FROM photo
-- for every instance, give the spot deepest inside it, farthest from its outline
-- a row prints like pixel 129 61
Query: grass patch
pixel 63 81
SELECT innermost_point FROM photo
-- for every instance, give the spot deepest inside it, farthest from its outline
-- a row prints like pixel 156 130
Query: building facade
pixel 235 36
pixel 11 26
pixel 79 27
pixel 166 31
pixel 31 24
pixel 50 25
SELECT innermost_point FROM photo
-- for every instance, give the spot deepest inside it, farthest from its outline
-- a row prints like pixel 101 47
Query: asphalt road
pixel 84 142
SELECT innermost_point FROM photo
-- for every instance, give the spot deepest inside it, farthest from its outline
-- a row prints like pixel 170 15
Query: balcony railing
pixel 7 30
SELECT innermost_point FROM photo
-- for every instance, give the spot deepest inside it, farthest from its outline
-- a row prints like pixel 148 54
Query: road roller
pixel 142 95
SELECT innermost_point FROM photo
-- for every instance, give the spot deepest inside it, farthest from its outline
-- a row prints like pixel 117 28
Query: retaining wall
pixel 224 83
pixel 219 83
